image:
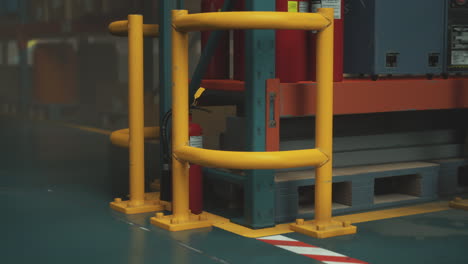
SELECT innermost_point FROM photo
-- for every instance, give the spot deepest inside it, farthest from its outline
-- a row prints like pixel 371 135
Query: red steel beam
pixel 358 96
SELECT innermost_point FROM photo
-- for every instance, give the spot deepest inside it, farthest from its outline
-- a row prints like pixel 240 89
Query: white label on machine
pixel 303 7
pixel 459 57
pixel 336 4
pixel 196 141
pixel 314 5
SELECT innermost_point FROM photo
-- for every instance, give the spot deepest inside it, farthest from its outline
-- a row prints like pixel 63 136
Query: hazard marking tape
pixel 301 248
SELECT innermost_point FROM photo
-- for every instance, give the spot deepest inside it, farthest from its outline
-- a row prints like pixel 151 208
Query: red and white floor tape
pixel 320 254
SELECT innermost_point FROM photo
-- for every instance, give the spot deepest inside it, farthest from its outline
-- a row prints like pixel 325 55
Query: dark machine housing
pixel 396 37
pixel 457 36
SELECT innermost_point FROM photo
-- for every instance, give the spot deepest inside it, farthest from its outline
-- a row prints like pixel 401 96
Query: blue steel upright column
pixel 259 187
pixel 165 81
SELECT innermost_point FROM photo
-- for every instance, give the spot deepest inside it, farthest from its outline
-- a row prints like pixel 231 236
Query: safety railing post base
pixel 171 223
pixel 459 203
pixel 331 229
pixel 151 204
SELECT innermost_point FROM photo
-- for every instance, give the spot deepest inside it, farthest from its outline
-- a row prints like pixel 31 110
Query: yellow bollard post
pixel 180 112
pixel 137 203
pixel 136 109
pixel 324 122
pixel 323 226
pixel 181 219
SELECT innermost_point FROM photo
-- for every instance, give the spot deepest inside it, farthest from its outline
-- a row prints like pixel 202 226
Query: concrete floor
pixel 55 191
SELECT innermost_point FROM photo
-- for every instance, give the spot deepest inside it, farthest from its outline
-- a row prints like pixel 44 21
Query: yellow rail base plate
pixel 334 228
pixel 168 222
pixel 459 203
pixel 152 204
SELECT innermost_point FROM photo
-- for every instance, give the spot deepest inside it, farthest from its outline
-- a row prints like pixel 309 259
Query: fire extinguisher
pixel 195 170
pixel 219 64
pixel 291 46
pixel 338 5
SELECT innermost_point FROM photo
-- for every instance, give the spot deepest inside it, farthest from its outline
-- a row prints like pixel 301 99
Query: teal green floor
pixel 55 191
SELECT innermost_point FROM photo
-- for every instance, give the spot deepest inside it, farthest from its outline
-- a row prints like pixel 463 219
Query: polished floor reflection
pixel 56 183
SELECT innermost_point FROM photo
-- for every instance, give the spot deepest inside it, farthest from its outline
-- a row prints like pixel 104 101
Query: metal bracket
pixel 272 121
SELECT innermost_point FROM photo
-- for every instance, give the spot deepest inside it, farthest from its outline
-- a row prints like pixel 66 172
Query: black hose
pixel 164 136
pixel 166 182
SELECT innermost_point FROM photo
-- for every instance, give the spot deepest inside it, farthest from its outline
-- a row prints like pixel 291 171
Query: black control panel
pixel 457 34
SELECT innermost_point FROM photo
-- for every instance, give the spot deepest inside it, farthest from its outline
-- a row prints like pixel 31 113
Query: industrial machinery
pixel 338 6
pixel 457 36
pixel 379 42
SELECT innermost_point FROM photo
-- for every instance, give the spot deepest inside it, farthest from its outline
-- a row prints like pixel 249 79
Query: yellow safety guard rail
pixel 121 137
pixel 250 20
pixel 251 160
pixel 323 22
pixel 134 136
pixel 120 28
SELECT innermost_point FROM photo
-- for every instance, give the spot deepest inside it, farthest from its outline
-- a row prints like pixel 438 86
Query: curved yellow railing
pixel 251 160
pixel 182 22
pixel 120 28
pixel 121 137
pixel 249 20
pixel 321 156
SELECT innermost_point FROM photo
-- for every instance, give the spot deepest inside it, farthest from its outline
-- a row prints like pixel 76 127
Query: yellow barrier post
pixel 121 137
pixel 323 226
pixel 120 28
pixel 250 20
pixel 139 202
pixel 181 218
pixel 251 160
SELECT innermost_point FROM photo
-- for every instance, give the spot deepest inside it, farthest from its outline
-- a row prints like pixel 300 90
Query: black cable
pixel 165 139
pixel 164 136
pixel 166 183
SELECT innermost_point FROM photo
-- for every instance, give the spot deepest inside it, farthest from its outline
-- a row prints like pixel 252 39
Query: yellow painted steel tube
pixel 250 20
pixel 251 160
pixel 180 122
pixel 121 137
pixel 324 120
pixel 120 28
pixel 136 110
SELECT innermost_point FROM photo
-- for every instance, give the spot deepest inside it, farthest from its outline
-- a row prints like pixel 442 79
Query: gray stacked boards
pixel 457 36
pixel 394 37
